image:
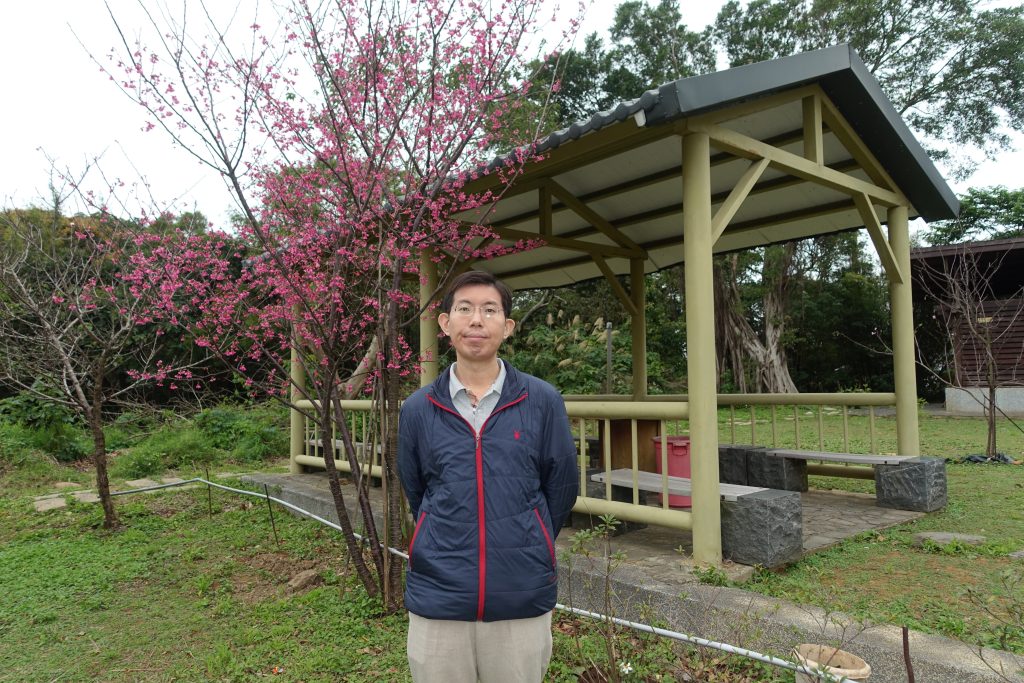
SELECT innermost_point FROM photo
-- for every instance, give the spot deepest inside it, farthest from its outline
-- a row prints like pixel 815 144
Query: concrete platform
pixel 655 581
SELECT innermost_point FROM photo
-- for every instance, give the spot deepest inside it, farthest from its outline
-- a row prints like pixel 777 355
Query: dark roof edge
pixel 979 247
pixel 846 80
pixel 840 73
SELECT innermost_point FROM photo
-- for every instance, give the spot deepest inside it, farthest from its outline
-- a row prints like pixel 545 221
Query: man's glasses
pixel 488 311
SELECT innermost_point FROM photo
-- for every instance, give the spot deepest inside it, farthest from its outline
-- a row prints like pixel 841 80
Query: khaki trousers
pixel 512 651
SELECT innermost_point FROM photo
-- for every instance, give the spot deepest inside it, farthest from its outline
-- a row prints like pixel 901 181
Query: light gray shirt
pixel 485 405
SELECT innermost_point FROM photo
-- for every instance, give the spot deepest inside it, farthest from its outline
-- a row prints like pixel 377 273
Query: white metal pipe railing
pixel 638 626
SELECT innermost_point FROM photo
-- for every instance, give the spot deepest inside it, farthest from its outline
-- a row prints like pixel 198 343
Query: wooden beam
pixel 644 181
pixel 874 226
pixel 845 134
pixel 607 250
pixel 735 200
pixel 751 148
pixel 814 145
pixel 544 197
pixel 620 293
pixel 588 214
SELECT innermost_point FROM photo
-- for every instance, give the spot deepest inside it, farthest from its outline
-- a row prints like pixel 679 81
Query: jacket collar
pixel 513 388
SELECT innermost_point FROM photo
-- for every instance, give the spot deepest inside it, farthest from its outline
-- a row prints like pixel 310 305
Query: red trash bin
pixel 678 465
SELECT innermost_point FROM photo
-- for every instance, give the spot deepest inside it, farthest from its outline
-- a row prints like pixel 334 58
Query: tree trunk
pixel 389 463
pixel 324 410
pixel 990 446
pixel 99 461
pixel 738 341
pixel 776 279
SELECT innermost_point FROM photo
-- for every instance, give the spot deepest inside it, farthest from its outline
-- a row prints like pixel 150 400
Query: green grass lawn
pixel 178 594
pixel 975 594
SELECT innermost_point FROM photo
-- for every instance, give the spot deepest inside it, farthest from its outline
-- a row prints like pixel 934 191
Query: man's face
pixel 476 324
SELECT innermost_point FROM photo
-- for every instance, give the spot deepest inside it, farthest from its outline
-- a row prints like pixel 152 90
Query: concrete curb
pixel 774 626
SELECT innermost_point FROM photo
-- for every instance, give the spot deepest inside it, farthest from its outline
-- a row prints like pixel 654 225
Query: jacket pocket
pixel 547 537
pixel 415 533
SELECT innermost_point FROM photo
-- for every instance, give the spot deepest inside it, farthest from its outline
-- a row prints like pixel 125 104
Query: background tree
pixel 946 66
pixel 985 213
pixel 346 131
pixel 953 70
pixel 979 317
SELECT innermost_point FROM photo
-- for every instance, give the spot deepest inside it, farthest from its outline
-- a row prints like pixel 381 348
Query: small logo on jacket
pixel 515 435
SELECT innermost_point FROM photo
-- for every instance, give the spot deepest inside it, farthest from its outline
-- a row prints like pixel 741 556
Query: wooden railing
pixel 615 432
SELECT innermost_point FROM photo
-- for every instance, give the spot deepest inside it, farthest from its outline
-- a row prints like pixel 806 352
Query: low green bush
pixel 173 446
pixel 15 443
pixel 250 434
pixel 33 411
pixel 50 427
pixel 136 465
pixel 65 442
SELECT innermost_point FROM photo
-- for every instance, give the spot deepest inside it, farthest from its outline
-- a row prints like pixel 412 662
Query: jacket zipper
pixel 481 521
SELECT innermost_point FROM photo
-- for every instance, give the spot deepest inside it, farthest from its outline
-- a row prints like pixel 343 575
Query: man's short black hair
pixel 477 277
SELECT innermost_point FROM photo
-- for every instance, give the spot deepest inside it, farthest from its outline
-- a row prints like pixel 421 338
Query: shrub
pixel 15 443
pixel 172 447
pixel 135 465
pixel 251 434
pixel 50 426
pixel 64 442
pixel 33 411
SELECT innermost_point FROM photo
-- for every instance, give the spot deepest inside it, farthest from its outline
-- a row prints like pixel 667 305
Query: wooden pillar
pixel 902 306
pixel 700 346
pixel 428 320
pixel 638 328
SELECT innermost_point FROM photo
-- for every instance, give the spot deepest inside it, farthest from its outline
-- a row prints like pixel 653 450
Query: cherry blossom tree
pixel 75 326
pixel 347 133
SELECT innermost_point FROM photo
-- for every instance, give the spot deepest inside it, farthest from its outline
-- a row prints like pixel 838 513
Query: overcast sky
pixel 58 102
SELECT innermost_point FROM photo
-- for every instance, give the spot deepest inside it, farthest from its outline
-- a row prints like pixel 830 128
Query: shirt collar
pixel 455 386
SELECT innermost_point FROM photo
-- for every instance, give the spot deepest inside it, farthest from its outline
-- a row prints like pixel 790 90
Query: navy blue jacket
pixel 487 506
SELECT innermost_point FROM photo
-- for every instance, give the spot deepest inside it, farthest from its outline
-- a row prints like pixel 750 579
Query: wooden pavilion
pixel 760 154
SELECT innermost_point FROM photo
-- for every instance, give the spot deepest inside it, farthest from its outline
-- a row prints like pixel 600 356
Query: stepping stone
pixel 171 480
pixel 50 496
pixel 67 485
pixel 946 537
pixel 141 483
pixel 86 496
pixel 1019 555
pixel 49 504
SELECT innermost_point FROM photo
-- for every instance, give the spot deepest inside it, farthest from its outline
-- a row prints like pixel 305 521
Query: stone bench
pixel 760 526
pixel 902 482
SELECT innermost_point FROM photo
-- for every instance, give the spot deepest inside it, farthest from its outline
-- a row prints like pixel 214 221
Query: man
pixel 489 467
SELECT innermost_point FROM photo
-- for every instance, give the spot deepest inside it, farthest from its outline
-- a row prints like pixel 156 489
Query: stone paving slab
pixel 141 483
pixel 171 480
pixel 47 504
pixel 86 496
pixel 67 485
pixel 49 496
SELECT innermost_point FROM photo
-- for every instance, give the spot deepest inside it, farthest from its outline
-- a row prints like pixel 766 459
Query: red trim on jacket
pixel 547 537
pixel 412 541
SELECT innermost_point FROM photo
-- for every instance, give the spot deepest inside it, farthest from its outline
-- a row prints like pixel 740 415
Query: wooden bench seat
pixel 677 486
pixel 851 458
